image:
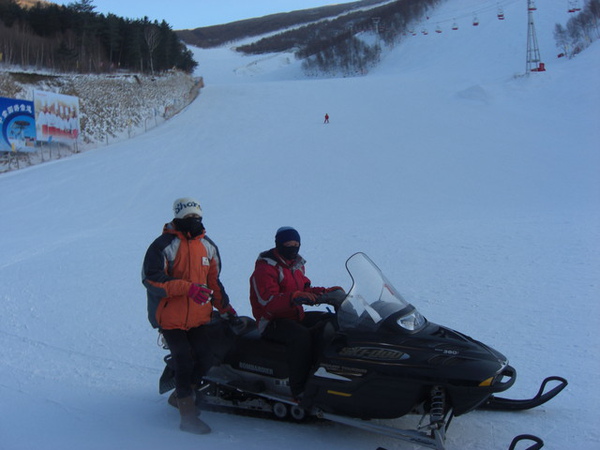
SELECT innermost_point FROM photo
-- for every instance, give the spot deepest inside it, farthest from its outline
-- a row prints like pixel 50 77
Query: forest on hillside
pixel 581 30
pixel 216 35
pixel 75 38
pixel 338 47
pixel 328 39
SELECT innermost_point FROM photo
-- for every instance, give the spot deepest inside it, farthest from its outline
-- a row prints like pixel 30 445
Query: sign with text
pixel 56 116
pixel 18 125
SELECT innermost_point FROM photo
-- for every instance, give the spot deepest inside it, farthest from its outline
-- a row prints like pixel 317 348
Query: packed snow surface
pixel 475 189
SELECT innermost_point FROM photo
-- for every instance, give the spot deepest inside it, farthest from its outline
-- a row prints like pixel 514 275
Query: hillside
pixel 112 107
pixel 351 39
pixel 31 3
pixel 276 41
pixel 328 39
pixel 213 36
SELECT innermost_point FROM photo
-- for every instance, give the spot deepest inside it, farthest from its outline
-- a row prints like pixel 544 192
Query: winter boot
pixel 172 400
pixel 189 420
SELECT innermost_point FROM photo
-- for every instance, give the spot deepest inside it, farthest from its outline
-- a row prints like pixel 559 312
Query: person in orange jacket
pixel 279 288
pixel 181 275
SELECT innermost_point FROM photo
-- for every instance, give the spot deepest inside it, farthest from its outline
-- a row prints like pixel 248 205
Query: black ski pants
pixel 192 357
pixel 300 340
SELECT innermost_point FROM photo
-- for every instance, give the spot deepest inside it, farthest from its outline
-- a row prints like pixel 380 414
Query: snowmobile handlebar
pixel 333 298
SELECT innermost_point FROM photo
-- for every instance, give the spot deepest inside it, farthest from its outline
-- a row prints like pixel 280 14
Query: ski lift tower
pixel 376 21
pixel 534 63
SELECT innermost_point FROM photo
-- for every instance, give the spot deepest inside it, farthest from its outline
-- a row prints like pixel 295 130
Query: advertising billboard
pixel 56 117
pixel 18 125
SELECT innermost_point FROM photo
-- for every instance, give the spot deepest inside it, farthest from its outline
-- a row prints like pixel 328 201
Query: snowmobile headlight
pixel 412 321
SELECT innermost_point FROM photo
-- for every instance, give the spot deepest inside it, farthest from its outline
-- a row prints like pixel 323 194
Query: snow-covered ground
pixel 475 191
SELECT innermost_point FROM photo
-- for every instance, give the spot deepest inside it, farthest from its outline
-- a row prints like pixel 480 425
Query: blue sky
pixel 183 14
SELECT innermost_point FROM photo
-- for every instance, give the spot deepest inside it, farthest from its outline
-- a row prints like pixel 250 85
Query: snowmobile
pixel 377 358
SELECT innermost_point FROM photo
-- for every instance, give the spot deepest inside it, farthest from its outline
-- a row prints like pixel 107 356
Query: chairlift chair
pixel 574 6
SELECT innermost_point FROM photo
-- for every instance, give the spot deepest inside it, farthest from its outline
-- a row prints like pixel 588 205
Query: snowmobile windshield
pixel 372 299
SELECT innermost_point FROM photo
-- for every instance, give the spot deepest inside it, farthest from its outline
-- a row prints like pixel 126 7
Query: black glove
pixel 303 298
pixel 228 313
pixel 234 321
pixel 334 297
pixel 237 324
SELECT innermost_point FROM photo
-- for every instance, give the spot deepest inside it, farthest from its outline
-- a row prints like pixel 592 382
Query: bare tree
pixel 152 38
pixel 561 36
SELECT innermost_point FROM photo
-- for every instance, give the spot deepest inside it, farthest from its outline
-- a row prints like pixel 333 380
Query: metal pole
pixel 533 51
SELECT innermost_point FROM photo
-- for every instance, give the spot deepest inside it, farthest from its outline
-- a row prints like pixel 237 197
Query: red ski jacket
pixel 272 284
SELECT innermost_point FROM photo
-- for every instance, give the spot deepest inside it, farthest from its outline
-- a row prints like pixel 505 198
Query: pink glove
pixel 200 293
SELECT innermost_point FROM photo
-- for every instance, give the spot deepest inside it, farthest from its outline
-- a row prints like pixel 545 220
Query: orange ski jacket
pixel 172 264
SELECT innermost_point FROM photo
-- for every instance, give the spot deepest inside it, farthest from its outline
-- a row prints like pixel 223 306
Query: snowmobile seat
pixel 252 335
pixel 245 326
pixel 255 354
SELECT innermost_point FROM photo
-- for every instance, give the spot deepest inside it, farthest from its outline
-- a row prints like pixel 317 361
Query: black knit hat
pixel 285 234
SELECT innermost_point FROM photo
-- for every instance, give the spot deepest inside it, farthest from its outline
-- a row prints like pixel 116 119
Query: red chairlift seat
pixel 540 68
pixel 574 6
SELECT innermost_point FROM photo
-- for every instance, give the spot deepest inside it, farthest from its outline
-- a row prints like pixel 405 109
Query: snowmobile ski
pixel 435 439
pixel 506 404
pixel 538 443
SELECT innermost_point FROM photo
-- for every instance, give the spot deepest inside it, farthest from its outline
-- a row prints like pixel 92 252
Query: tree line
pixel 335 47
pixel 217 35
pixel 75 38
pixel 581 30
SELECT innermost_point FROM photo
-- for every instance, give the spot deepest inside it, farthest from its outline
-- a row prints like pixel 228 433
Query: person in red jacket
pixel 181 274
pixel 279 288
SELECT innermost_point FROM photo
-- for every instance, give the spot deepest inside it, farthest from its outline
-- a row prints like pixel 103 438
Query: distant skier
pixel 326 118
